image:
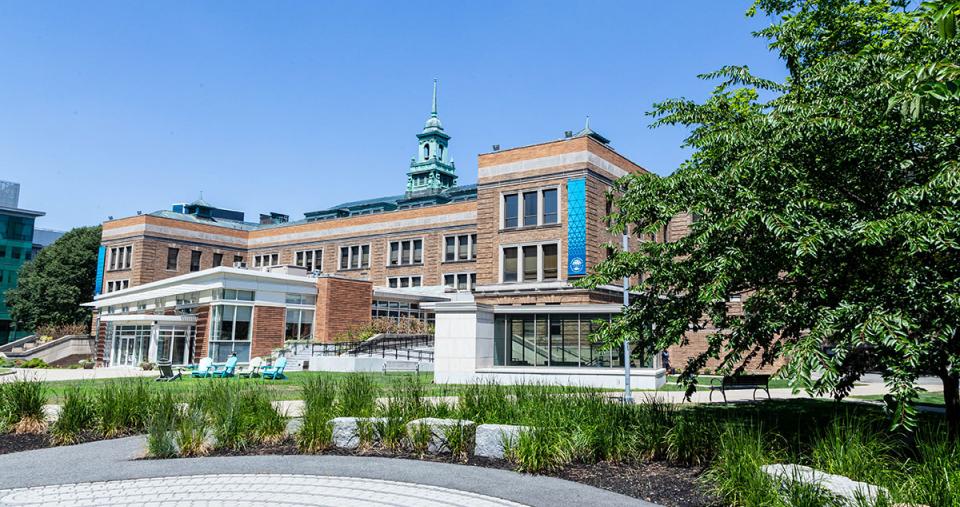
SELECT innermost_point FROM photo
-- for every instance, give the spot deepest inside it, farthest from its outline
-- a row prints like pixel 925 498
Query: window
pixel 172 255
pixel 529 209
pixel 234 295
pixel 460 248
pixel 237 259
pixel 299 324
pixel 556 340
pixel 460 281
pixel 217 259
pixel 310 259
pixel 355 257
pixel 15 252
pixel 530 263
pixel 403 281
pixel 550 206
pixel 406 252
pixel 115 285
pixel 539 207
pixel 301 299
pixel 266 260
pixel 734 298
pixel 195 256
pixel 510 211
pixel 3 251
pixel 230 332
pixel 426 151
pixel 121 257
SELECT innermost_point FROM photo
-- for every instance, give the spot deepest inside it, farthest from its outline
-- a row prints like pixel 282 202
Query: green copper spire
pixel 431 170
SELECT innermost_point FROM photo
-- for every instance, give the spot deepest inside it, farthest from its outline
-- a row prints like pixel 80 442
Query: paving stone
pixel 490 439
pixel 269 489
pixel 848 491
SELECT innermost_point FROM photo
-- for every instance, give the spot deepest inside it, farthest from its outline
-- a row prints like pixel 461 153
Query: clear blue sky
pixel 107 108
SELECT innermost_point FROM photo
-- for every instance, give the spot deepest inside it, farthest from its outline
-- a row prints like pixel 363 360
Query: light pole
pixel 627 395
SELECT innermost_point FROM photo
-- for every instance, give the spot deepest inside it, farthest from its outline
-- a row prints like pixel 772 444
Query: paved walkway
pixel 57 374
pixel 107 473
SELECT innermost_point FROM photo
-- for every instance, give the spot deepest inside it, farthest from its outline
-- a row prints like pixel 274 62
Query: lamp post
pixel 627 395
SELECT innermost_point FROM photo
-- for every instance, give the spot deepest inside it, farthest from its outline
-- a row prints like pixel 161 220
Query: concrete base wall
pixel 608 378
pixel 350 364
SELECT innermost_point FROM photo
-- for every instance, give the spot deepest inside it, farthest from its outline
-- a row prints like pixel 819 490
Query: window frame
pixel 272 257
pixel 412 252
pixel 176 258
pixel 350 263
pixel 471 280
pixel 520 258
pixel 315 255
pixel 471 247
pixel 121 258
pixel 198 256
pixel 521 207
pixel 408 278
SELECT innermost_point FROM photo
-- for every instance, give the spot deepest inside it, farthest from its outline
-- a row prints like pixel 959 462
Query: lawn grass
pixel 926 398
pixel 704 383
pixel 276 390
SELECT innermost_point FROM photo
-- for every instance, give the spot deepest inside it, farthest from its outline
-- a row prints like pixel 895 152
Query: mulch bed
pixel 12 442
pixel 657 482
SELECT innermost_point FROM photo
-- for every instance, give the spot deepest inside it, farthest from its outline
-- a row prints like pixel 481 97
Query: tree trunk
pixel 951 402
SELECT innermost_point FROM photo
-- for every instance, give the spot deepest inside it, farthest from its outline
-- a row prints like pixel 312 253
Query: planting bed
pixel 12 442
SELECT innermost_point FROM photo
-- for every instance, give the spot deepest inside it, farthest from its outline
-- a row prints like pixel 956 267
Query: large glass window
pixel 550 215
pixel 299 324
pixel 530 263
pixel 554 340
pixel 16 228
pixel 121 257
pixel 462 247
pixel 531 208
pixel 231 328
pixel 510 256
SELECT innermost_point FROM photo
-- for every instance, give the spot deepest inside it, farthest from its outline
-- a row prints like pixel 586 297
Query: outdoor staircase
pixel 59 352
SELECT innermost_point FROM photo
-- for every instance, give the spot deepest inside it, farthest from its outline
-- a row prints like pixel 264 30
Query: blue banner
pixel 101 258
pixel 576 227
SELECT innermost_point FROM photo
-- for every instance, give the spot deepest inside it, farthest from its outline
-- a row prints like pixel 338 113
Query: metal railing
pixel 382 345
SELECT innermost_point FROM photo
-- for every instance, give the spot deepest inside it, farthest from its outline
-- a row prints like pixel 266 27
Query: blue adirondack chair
pixel 204 369
pixel 275 372
pixel 228 369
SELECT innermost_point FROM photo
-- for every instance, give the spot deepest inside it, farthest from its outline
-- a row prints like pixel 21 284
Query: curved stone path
pixel 250 489
pixel 108 473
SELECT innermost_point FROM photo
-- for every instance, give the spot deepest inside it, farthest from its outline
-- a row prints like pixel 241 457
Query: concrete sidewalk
pixel 60 374
pixel 112 460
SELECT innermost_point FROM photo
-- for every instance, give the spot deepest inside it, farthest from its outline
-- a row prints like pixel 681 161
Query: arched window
pixel 426 151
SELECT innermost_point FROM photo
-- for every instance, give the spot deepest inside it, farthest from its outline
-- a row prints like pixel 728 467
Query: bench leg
pixel 724 393
pixel 711 396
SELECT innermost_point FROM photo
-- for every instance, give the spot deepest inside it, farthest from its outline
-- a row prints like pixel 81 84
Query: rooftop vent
pixel 273 218
pixel 567 134
pixel 496 147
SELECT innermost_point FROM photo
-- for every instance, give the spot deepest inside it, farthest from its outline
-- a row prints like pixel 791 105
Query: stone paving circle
pixel 249 489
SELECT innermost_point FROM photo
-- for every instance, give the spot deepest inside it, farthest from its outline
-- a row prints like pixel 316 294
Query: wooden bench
pixel 401 366
pixel 740 382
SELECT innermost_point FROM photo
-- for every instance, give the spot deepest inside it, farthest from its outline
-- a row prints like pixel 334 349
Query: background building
pixel 20 240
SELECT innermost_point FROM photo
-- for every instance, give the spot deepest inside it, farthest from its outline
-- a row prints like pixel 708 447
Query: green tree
pixel 830 199
pixel 52 286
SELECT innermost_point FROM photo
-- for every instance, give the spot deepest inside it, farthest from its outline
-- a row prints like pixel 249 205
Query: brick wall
pixel 268 329
pixel 202 330
pixel 342 304
pixel 101 342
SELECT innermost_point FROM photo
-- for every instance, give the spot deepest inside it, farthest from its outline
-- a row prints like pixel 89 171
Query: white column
pixel 463 341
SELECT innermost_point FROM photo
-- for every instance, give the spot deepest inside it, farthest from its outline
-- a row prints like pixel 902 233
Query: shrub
pixel 319 395
pixel 54 331
pixel 161 423
pixel 36 363
pixel 77 415
pixel 380 326
pixel 25 400
pixel 147 366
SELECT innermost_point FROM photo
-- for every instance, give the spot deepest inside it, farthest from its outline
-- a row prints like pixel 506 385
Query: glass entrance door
pixel 131 345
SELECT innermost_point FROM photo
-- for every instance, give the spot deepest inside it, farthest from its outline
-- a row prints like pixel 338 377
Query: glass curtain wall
pixel 555 340
pixel 130 345
pixel 230 332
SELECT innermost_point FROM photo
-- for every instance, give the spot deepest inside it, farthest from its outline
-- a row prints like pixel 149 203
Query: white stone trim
pixel 378 227
pixel 536 164
pixel 172 231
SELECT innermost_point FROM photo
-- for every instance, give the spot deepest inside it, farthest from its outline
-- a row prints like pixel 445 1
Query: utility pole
pixel 627 395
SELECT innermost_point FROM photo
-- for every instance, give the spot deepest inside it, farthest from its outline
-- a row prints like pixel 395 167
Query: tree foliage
pixel 830 199
pixel 52 286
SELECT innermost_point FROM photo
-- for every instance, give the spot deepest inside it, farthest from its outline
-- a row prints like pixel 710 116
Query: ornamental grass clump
pixel 161 423
pixel 857 448
pixel 122 408
pixel 458 439
pixel 241 415
pixel 357 396
pixel 691 438
pixel 541 450
pixel 191 432
pixel 77 416
pixel 735 475
pixel 319 397
pixel 25 400
pixel 933 477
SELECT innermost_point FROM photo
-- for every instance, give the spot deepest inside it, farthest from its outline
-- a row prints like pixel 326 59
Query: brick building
pixel 492 265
